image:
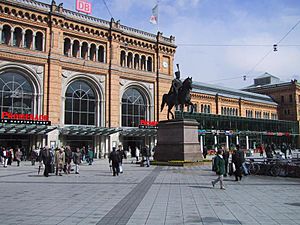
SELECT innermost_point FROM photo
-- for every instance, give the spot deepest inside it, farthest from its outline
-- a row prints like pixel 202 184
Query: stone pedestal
pixel 178 140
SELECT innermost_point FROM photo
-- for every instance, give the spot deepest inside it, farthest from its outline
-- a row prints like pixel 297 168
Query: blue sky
pixel 219 22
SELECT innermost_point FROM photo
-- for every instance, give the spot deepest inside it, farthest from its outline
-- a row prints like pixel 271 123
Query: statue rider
pixel 176 84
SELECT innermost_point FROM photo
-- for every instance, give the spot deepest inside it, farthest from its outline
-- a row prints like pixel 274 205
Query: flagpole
pixel 157 15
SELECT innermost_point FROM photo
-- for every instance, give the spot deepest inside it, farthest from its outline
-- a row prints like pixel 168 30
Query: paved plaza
pixel 142 195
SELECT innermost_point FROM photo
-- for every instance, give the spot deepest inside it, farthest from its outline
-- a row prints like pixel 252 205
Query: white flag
pixel 154 17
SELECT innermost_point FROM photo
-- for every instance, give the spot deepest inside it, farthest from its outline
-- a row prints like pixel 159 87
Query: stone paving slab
pixel 141 195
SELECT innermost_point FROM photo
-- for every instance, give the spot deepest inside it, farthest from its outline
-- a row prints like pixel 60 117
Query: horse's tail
pixel 163 102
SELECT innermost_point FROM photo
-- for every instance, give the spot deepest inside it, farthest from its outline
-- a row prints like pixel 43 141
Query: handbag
pixel 120 168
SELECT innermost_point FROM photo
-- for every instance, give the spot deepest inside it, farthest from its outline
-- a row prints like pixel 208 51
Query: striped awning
pixel 87 131
pixel 139 132
pixel 8 128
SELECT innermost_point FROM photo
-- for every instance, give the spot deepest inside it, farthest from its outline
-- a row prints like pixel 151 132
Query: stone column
pixel 71 49
pixel 247 142
pixel 88 51
pixel 97 53
pixel 33 41
pixel 23 38
pixel 12 36
pixel 80 46
pixel 104 55
pixel 44 43
pixel 125 61
pixel 1 35
pixel 227 141
pixel 201 143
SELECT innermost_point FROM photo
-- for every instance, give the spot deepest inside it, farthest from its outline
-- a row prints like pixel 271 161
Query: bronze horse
pixel 183 99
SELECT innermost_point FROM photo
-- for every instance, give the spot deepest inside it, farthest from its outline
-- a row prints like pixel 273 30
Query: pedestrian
pixel 77 160
pixel 273 146
pixel 68 156
pixel 83 153
pixel 18 156
pixel 261 150
pixel 115 159
pixel 45 156
pixel 5 157
pixel 204 152
pixel 137 153
pixel 219 164
pixel 121 155
pixel 269 152
pixel 238 161
pixel 226 160
pixel 284 149
pixel 146 156
pixel 34 156
pixel 60 160
pixel 90 155
pixel 10 156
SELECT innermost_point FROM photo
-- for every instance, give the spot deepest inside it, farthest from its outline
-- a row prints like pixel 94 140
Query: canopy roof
pixel 6 128
pixel 133 132
pixel 87 131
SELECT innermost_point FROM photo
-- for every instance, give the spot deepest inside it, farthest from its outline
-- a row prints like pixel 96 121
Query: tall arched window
pixel 17 40
pixel 16 93
pixel 143 63
pixel 80 104
pixel 6 34
pixel 84 50
pixel 67 46
pixel 134 107
pixel 129 60
pixel 93 52
pixel 149 64
pixel 136 61
pixel 101 54
pixel 75 49
pixel 122 58
pixel 39 41
pixel 28 39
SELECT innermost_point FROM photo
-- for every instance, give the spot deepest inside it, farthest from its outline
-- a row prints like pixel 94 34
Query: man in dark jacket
pixel 146 154
pixel 219 165
pixel 238 159
pixel 46 158
pixel 226 160
pixel 114 157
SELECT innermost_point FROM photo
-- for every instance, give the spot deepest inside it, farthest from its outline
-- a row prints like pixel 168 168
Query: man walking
pixel 114 157
pixel 219 165
pixel 46 158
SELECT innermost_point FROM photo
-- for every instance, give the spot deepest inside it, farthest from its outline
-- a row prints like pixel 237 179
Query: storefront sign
pixel 84 6
pixel 8 117
pixel 148 124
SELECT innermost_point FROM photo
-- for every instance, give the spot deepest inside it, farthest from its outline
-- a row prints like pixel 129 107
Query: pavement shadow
pixel 218 220
pixel 202 187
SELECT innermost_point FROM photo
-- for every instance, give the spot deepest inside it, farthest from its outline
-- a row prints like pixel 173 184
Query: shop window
pixel 149 64
pixel 16 94
pixel 28 39
pixel 6 33
pixel 67 46
pixel 39 41
pixel 17 39
pixel 80 104
pixel 134 107
pixel 75 48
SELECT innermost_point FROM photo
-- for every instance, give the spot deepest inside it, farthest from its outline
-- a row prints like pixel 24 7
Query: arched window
pixel 6 32
pixel 28 39
pixel 84 50
pixel 208 109
pixel 67 46
pixel 202 109
pixel 122 58
pixel 75 48
pixel 16 94
pixel 17 40
pixel 93 52
pixel 101 54
pixel 136 61
pixel 134 107
pixel 129 60
pixel 80 104
pixel 149 64
pixel 143 63
pixel 39 41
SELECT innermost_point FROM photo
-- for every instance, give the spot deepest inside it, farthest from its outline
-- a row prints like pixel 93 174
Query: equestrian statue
pixel 179 94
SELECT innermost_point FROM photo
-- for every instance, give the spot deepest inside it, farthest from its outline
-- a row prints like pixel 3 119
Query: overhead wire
pixel 107 9
pixel 265 56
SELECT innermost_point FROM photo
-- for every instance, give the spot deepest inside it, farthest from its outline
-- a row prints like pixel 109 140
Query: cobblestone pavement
pixel 144 195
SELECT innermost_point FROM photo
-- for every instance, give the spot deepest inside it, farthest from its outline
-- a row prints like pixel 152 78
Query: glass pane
pixel 91 119
pixel 75 118
pixel 84 105
pixel 68 118
pixel 83 119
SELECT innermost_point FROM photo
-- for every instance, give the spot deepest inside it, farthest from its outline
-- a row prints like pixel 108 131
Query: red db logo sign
pixel 83 6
